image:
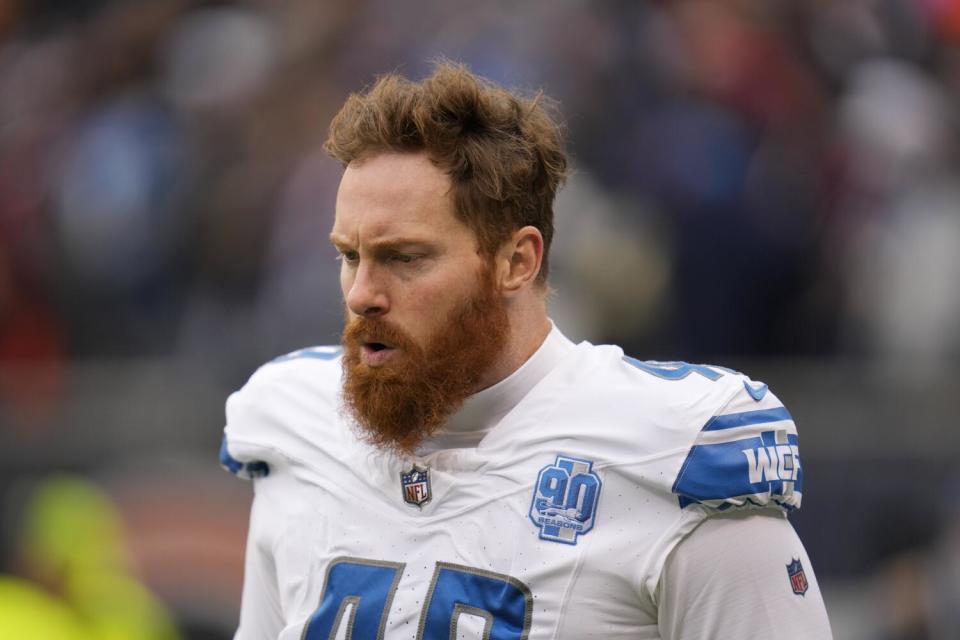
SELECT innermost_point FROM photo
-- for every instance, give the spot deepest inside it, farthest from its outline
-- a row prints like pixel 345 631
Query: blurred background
pixel 768 185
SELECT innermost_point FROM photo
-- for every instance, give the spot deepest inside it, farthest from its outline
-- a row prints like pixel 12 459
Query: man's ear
pixel 519 260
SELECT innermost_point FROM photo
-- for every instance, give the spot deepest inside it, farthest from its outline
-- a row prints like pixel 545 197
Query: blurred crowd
pixel 752 178
pixel 774 178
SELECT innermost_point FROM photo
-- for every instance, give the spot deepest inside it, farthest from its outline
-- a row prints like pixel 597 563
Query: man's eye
pixel 403 257
pixel 349 256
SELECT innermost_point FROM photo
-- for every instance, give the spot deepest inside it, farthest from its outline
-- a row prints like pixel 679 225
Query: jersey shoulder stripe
pixel 746 418
pixel 745 456
pixel 738 442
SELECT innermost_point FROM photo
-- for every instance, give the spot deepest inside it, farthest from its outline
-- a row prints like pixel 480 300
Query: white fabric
pixel 261 615
pixel 483 410
pixel 673 449
pixel 726 580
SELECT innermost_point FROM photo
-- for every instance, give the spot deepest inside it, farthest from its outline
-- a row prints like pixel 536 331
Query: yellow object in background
pixel 27 613
pixel 72 542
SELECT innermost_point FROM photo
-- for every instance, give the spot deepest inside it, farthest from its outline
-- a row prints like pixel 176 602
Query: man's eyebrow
pixel 401 241
pixel 384 243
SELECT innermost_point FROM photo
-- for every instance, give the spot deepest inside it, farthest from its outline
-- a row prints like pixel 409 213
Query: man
pixel 462 470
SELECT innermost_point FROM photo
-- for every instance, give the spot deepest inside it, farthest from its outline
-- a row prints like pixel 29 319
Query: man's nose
pixel 367 296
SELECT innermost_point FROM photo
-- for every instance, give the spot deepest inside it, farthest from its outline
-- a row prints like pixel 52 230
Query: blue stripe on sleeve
pixel 256 469
pixel 747 418
pixel 227 461
pixel 721 471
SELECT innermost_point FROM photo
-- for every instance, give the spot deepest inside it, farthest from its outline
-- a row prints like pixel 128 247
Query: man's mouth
pixel 375 353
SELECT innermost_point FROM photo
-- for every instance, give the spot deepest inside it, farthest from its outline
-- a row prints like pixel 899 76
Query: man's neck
pixel 529 327
pixel 484 410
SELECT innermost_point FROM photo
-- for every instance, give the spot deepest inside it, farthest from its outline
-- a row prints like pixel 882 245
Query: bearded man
pixel 459 468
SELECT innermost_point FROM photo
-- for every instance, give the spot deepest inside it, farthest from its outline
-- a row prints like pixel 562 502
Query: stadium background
pixel 767 185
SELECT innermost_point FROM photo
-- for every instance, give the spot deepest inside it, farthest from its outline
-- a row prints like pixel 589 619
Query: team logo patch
pixel 798 579
pixel 565 499
pixel 415 485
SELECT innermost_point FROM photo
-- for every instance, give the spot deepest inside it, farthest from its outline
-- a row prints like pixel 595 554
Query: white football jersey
pixel 562 522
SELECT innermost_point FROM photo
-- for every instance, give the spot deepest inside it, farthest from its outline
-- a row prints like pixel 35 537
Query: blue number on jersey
pixel 504 603
pixel 675 370
pixel 368 585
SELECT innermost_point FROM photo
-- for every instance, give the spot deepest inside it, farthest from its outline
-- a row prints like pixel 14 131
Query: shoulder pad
pixel 746 455
pixel 260 416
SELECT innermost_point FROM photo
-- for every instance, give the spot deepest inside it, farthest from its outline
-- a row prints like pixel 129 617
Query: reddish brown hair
pixel 502 151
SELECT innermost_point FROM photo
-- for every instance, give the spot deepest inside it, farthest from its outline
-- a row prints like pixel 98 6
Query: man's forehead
pixel 388 195
pixel 410 174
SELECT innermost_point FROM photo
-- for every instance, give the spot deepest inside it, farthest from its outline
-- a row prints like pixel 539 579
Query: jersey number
pixel 366 588
pixel 676 370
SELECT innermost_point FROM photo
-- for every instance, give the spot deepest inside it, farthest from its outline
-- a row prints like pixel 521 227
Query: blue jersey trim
pixel 757 393
pixel 316 353
pixel 747 418
pixel 256 469
pixel 722 471
pixel 674 370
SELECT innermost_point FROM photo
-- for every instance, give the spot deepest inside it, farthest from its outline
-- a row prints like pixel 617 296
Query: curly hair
pixel 503 151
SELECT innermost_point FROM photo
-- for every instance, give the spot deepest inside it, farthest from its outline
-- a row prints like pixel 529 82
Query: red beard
pixel 409 398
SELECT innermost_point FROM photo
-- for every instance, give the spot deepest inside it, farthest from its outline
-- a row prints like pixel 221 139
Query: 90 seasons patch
pixel 415 485
pixel 565 499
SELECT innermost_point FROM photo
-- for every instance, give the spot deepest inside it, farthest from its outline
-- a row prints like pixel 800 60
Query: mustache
pixel 362 330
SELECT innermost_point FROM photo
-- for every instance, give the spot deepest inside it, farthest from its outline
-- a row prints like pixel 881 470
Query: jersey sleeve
pixel 745 455
pixel 268 429
pixel 244 453
pixel 259 416
pixel 243 450
pixel 260 609
pixel 250 428
pixel 242 461
pixel 741 575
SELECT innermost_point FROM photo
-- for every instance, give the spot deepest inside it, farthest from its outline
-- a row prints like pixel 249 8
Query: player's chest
pixel 498 560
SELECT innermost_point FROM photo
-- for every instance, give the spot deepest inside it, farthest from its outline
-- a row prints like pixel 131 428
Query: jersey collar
pixel 485 409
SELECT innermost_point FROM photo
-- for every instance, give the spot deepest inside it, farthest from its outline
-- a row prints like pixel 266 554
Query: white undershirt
pixel 485 409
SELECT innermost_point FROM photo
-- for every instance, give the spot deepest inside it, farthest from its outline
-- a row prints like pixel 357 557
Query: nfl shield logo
pixel 416 486
pixel 798 579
